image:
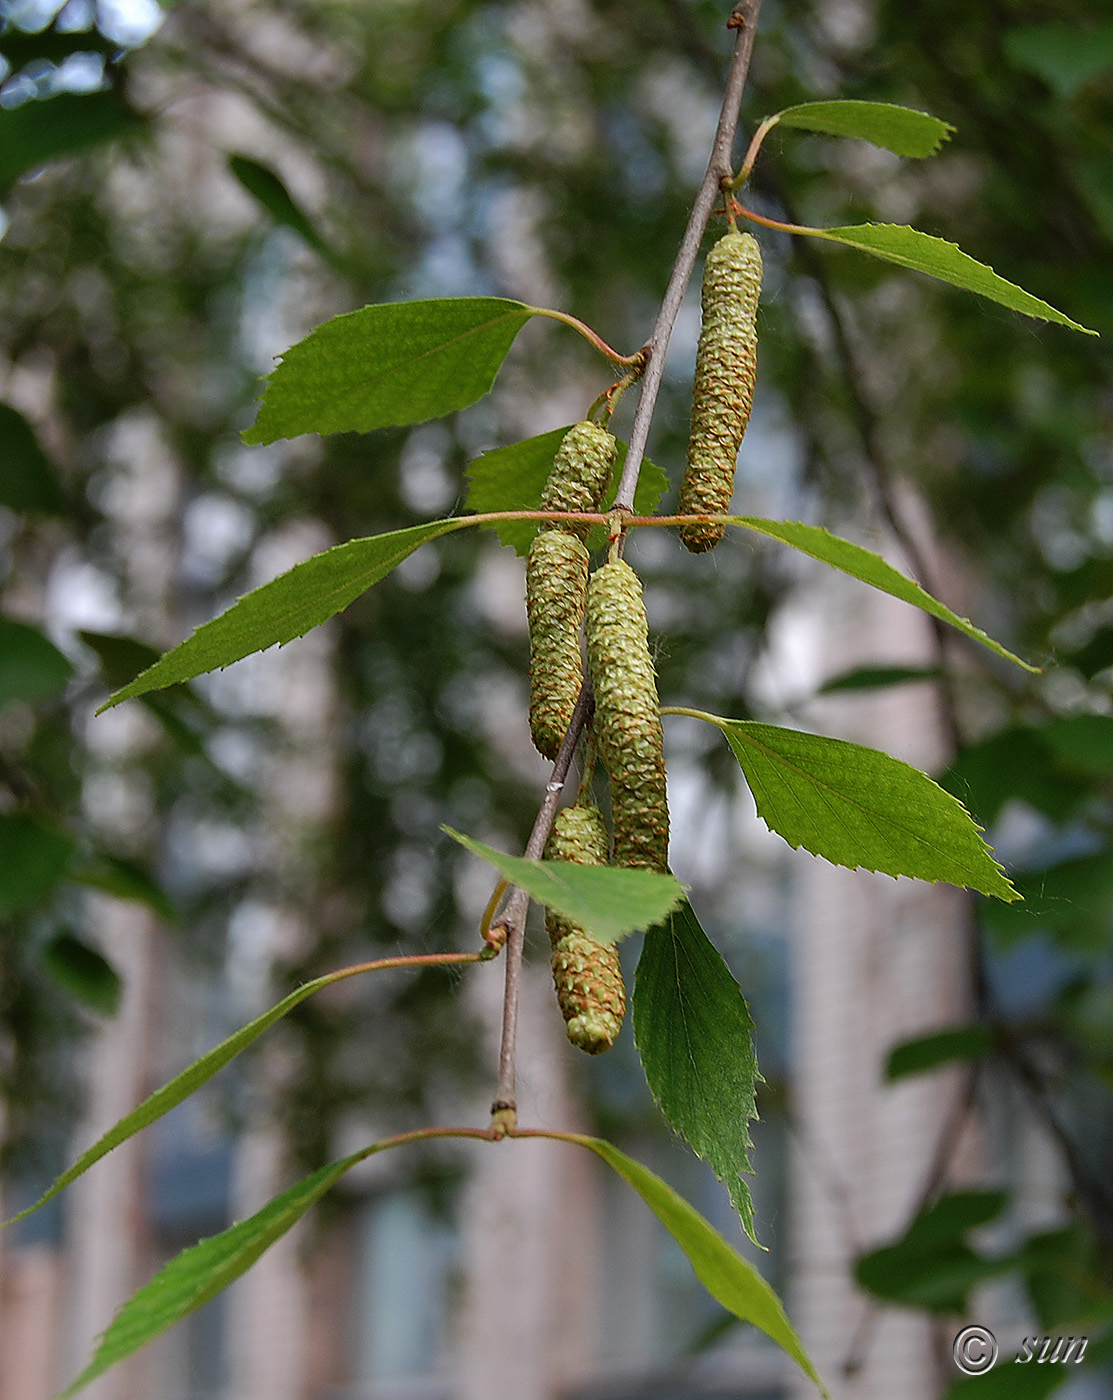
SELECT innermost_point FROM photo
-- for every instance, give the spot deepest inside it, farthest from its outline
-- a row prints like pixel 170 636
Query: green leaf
pixel 28 482
pixel 609 901
pixel 694 1035
pixel 1081 742
pixel 198 1274
pixel 513 478
pixel 928 1052
pixel 395 363
pixel 1065 56
pixel 31 666
pixel 870 568
pixel 33 858
pixel 1072 901
pixel 877 678
pixel 126 880
pixel 264 185
pixel 84 972
pixel 38 132
pixel 729 1278
pixel 932 1267
pixel 908 247
pixel 899 129
pixel 287 607
pixel 861 808
pixel 1007 1381
pixel 173 1093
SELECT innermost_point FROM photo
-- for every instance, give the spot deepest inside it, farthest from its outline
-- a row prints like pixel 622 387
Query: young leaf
pixel 198 1274
pixel 861 808
pixel 287 607
pixel 902 130
pixel 28 482
pixel 84 972
pixel 34 858
pixel 264 185
pixel 31 666
pixel 395 363
pixel 513 478
pixel 730 1279
pixel 38 132
pixel 928 1052
pixel 870 568
pixel 908 247
pixel 693 1033
pixel 609 901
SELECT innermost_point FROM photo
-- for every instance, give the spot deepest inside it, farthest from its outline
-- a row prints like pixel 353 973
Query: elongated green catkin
pixel 581 474
pixel 627 718
pixel 726 364
pixel 586 974
pixel 556 580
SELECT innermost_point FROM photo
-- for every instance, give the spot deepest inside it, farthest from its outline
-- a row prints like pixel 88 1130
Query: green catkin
pixel 586 974
pixel 556 581
pixel 726 364
pixel 627 716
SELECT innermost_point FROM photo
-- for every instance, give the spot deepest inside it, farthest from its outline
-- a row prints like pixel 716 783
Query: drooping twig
pixel 719 169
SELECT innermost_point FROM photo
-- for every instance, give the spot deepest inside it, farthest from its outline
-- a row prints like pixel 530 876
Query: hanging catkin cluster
pixel 627 718
pixel 556 581
pixel 726 363
pixel 586 974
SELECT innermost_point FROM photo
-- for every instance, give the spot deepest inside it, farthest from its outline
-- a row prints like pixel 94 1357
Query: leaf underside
pixel 608 901
pixel 870 568
pixel 694 1035
pixel 922 252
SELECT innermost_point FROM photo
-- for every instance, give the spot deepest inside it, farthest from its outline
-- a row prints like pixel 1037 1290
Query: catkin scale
pixel 556 581
pixel 586 974
pixel 627 716
pixel 723 392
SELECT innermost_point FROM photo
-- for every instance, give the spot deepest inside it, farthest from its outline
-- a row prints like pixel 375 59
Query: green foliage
pixel 287 607
pixel 264 185
pixel 935 257
pixel 729 1278
pixel 932 1266
pixel 198 1274
pixel 85 973
pixel 33 858
pixel 395 363
pixel 126 880
pixel 1007 1381
pixel 513 478
pixel 31 666
pixel 928 1052
pixel 860 808
pixel 877 678
pixel 1066 56
pixel 1071 900
pixel 28 481
pixel 38 132
pixel 607 901
pixel 694 1035
pixel 173 1093
pixel 898 129
pixel 870 568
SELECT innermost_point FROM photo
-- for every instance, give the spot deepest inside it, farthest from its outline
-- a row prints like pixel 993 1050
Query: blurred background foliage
pixel 186 194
